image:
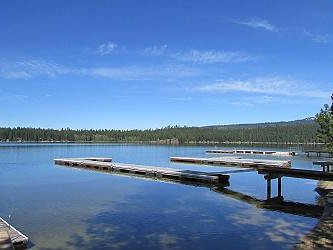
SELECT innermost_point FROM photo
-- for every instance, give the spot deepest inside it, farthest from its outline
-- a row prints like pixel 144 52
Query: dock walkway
pixel 318 153
pixel 5 242
pixel 296 173
pixel 232 161
pixel 271 169
pixel 252 152
pixel 324 164
pixel 16 237
pixel 150 171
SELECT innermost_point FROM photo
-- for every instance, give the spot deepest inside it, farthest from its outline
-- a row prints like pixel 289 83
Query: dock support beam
pixel 326 168
pixel 268 187
pixel 279 187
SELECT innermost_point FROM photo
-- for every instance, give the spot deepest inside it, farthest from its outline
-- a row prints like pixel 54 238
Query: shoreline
pixel 166 143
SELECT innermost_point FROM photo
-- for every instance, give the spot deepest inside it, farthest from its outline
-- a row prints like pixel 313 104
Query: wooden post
pixel 268 187
pixel 279 187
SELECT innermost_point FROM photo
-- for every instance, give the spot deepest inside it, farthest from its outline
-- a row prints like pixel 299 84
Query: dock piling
pixel 279 187
pixel 268 179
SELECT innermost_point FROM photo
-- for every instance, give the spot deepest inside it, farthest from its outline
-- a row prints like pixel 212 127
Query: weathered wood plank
pixel 17 238
pixel 318 153
pixel 296 173
pixel 158 172
pixel 323 163
pixel 99 159
pixel 247 151
pixel 5 242
pixel 232 161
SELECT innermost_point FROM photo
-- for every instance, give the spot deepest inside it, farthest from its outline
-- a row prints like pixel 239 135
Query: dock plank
pixel 157 172
pixel 17 238
pixel 296 173
pixel 5 242
pixel 232 161
pixel 318 153
pixel 248 151
pixel 323 163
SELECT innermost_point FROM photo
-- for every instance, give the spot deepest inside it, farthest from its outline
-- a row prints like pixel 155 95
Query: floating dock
pixel 17 239
pixel 251 152
pixel 5 242
pixel 296 173
pixel 232 161
pixel 148 171
pixel 318 153
pixel 324 164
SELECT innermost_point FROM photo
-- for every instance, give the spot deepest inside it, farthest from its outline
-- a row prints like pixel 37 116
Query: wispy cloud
pixel 258 99
pixel 155 50
pixel 211 56
pixel 242 104
pixel 258 23
pixel 13 98
pixel 268 86
pixel 28 68
pixel 140 73
pixel 32 68
pixel 106 48
pixel 262 99
pixel 181 99
pixel 318 38
pixel 199 56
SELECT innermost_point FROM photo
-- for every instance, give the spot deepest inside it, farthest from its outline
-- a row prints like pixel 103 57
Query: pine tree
pixel 325 121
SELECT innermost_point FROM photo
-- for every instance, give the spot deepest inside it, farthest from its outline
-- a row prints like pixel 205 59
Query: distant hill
pixel 299 131
pixel 306 121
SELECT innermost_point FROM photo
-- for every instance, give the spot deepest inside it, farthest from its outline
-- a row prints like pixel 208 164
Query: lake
pixel 59 207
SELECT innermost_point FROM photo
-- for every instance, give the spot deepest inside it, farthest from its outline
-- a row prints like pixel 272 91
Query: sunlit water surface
pixel 68 208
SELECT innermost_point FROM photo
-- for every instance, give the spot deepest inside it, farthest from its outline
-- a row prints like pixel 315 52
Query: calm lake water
pixel 66 208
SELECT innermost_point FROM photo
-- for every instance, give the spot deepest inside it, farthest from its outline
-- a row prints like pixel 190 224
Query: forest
pixel 286 132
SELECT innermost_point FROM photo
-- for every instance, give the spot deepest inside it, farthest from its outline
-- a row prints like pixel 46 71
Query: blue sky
pixel 148 64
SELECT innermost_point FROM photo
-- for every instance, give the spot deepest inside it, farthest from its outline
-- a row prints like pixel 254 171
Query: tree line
pixel 287 133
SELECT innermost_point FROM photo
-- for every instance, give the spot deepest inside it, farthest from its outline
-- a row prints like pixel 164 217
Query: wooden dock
pixel 251 152
pixel 271 173
pixel 232 161
pixel 5 242
pixel 99 159
pixel 17 238
pixel 318 153
pixel 296 173
pixel 324 164
pixel 147 171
